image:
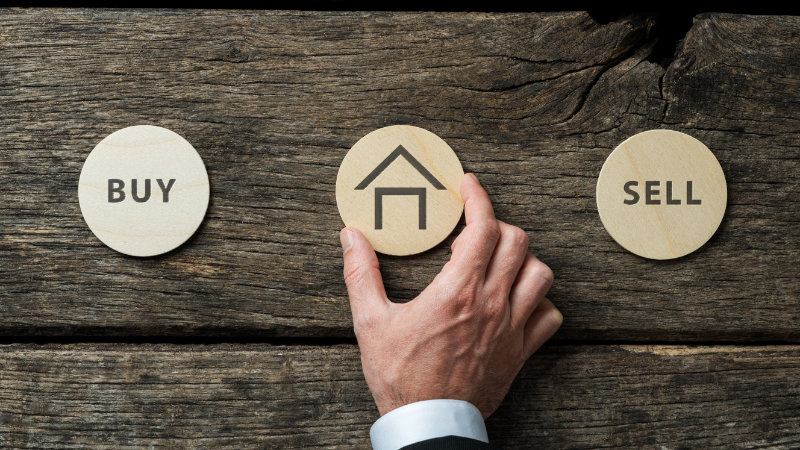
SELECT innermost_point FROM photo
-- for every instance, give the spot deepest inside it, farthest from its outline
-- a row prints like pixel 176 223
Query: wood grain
pixel 245 396
pixel 532 103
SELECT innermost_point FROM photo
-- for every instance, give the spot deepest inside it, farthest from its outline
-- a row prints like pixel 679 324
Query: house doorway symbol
pixel 381 192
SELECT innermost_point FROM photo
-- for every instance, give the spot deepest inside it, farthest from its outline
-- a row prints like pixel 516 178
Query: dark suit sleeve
pixel 451 443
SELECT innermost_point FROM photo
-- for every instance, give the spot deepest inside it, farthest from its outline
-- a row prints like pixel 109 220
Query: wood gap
pixel 328 342
pixel 608 13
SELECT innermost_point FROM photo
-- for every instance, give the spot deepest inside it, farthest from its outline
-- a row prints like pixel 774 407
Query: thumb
pixel 362 276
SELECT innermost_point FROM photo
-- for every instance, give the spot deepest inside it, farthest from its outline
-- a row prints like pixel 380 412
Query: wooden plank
pixel 533 103
pixel 247 396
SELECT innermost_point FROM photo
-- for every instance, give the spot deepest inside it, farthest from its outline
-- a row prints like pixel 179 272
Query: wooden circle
pixel 399 186
pixel 117 204
pixel 661 194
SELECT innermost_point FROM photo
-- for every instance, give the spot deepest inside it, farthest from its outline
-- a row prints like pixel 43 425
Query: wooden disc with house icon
pixel 399 186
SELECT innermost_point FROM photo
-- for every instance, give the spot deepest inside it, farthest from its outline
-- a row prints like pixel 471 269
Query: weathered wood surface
pixel 533 103
pixel 301 397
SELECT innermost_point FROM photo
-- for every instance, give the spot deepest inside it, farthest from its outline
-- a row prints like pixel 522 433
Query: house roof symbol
pixel 420 192
pixel 398 152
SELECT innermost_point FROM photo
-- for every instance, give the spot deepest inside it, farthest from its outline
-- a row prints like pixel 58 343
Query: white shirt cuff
pixel 425 420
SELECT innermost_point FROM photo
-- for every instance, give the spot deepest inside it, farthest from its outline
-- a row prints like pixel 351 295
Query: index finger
pixel 477 206
pixel 474 247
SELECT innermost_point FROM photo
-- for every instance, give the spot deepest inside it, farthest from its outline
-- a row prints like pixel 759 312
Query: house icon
pixel 381 192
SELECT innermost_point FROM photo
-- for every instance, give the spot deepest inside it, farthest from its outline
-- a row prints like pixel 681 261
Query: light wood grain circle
pixel 172 212
pixel 670 164
pixel 399 186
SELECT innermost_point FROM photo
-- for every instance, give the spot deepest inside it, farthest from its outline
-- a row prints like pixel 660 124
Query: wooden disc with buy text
pixel 143 190
pixel 399 186
pixel 661 194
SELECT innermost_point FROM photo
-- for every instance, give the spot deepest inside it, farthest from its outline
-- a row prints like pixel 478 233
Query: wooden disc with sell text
pixel 399 186
pixel 661 194
pixel 143 190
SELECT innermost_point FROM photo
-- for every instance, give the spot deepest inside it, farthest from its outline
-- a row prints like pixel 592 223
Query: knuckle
pixel 462 303
pixel 489 230
pixel 544 272
pixel 355 273
pixel 464 283
pixel 351 275
pixel 495 309
pixel 519 237
pixel 466 295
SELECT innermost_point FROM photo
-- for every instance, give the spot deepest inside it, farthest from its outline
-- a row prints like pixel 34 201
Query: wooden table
pixel 242 337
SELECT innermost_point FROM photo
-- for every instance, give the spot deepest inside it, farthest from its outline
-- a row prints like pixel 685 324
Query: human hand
pixel 467 335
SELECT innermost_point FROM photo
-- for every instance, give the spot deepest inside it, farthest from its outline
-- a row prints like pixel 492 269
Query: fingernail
pixel 474 178
pixel 346 236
